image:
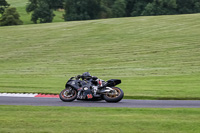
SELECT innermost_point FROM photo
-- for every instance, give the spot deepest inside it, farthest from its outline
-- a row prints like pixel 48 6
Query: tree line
pixel 96 9
pixel 42 10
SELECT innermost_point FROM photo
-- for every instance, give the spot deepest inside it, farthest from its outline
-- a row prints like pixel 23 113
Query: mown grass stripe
pixel 155 56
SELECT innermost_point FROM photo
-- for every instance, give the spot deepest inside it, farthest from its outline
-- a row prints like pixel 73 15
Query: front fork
pixel 80 95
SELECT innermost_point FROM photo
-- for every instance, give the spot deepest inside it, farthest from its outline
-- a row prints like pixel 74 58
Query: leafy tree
pixel 55 4
pixel 82 9
pixel 139 7
pixel 197 7
pixel 119 8
pixel 184 6
pixel 149 10
pixel 31 6
pixel 76 10
pixel 10 17
pixel 188 6
pixel 106 8
pixel 41 11
pixel 160 7
pixel 129 7
pixel 3 5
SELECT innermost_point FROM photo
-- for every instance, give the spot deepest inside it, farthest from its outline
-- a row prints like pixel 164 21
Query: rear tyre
pixel 68 94
pixel 115 96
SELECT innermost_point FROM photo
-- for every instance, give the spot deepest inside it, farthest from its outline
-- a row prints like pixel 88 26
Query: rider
pixel 87 78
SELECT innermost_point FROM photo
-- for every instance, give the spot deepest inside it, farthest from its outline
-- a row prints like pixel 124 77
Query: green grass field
pixel 23 119
pixel 156 57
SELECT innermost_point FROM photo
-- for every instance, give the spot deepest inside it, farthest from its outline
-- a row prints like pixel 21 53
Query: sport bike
pixel 91 88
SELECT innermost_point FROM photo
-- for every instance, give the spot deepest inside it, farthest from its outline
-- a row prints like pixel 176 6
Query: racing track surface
pixel 37 101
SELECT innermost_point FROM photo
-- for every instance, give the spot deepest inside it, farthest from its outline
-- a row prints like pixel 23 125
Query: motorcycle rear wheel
pixel 68 94
pixel 116 97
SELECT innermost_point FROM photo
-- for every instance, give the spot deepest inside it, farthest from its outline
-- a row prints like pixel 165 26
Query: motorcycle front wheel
pixel 68 94
pixel 114 96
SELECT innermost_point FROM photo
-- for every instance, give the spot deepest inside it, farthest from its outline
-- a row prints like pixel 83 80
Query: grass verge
pixel 89 120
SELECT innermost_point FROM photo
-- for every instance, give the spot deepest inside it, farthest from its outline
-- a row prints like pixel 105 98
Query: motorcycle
pixel 91 89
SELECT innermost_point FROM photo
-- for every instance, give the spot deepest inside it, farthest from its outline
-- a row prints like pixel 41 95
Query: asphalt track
pixel 36 101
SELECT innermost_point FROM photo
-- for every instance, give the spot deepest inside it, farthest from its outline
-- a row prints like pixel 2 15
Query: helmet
pixel 86 75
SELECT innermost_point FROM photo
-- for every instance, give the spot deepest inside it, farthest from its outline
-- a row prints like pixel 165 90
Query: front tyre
pixel 114 96
pixel 68 94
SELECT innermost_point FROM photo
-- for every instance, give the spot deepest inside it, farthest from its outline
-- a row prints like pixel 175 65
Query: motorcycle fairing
pixel 73 83
pixel 113 82
pixel 87 94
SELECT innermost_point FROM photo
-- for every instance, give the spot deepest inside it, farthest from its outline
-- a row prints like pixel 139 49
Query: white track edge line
pixel 19 94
